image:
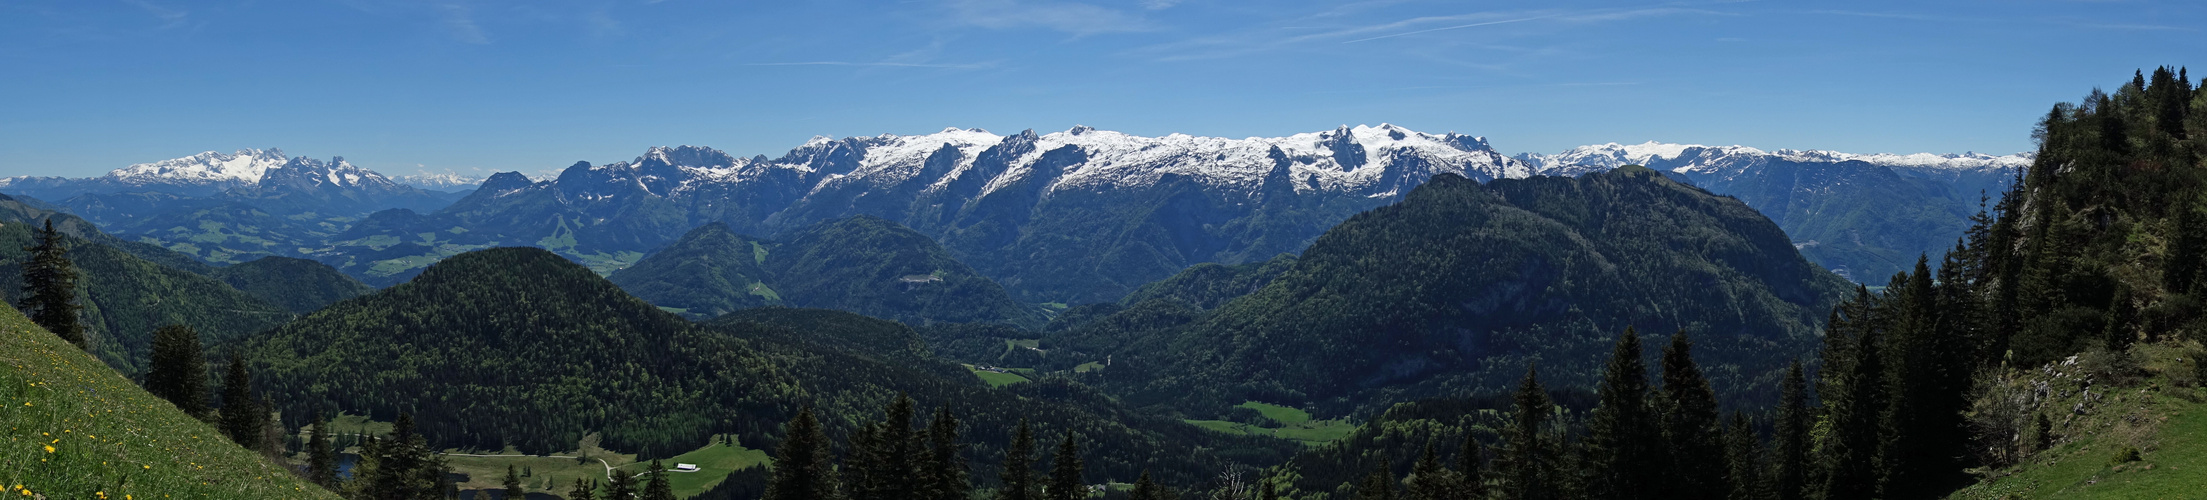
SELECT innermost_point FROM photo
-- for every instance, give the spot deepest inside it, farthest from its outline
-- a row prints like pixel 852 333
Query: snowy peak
pixel 246 166
pixel 310 173
pixel 1696 158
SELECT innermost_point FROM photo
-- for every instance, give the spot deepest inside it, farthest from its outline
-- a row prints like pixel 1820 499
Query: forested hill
pixel 520 346
pixel 125 296
pixel 298 285
pixel 1457 287
pixel 862 264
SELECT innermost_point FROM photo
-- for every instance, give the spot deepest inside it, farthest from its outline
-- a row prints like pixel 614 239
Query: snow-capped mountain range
pixel 1726 160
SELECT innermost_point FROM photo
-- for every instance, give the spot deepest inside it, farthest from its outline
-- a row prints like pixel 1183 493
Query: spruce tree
pixel 1528 467
pixel 1429 480
pixel 583 490
pixel 1790 440
pixel 1854 398
pixel 1379 485
pixel 659 488
pixel 321 455
pixel 944 470
pixel 1144 489
pixel 1623 446
pixel 239 415
pixel 1742 454
pixel 1019 475
pixel 1471 466
pixel 802 470
pixel 1266 491
pixel 177 369
pixel 404 467
pixel 863 473
pixel 623 487
pixel 50 287
pixel 1065 472
pixel 1691 424
pixel 512 485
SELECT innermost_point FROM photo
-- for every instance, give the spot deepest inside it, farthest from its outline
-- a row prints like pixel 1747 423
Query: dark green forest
pixel 1458 286
pixel 860 264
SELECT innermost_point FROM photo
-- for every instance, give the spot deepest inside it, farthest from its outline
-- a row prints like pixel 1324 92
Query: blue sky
pixel 530 85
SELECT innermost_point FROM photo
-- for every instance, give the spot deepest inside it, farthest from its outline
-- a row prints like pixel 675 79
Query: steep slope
pixel 876 267
pixel 520 346
pixel 109 438
pixel 1863 216
pixel 297 285
pixel 709 272
pixel 126 297
pixel 1457 287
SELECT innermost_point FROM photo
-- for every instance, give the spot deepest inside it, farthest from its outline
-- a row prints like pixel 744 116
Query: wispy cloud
pixel 1446 28
pixel 170 18
pixel 881 64
pixel 1880 15
pixel 2135 27
pixel 1295 32
pixel 459 22
pixel 1079 19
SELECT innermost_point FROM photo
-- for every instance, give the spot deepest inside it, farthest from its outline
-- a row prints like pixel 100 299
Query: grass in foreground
pixel 77 429
pixel 2161 416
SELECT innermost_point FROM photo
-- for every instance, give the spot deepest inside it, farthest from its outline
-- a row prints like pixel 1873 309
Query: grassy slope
pixel 2163 414
pixel 108 435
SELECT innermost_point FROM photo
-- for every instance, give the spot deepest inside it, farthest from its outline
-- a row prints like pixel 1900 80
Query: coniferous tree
pixel 1065 472
pixel 1266 491
pixel 1429 480
pixel 1528 467
pixel 1379 485
pixel 1623 445
pixel 321 456
pixel 1790 440
pixel 1471 465
pixel 1742 454
pixel 802 470
pixel 1144 489
pixel 177 370
pixel 512 485
pixel 1019 474
pixel 1854 399
pixel 1691 424
pixel 404 468
pixel 50 287
pixel 583 490
pixel 659 488
pixel 944 470
pixel 240 419
pixel 623 487
pixel 863 472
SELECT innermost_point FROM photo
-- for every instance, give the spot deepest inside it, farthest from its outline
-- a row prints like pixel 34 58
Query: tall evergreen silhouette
pixel 1018 476
pixel 1691 424
pixel 321 454
pixel 1065 472
pixel 802 466
pixel 177 369
pixel 1623 445
pixel 660 487
pixel 240 415
pixel 1528 467
pixel 511 487
pixel 1790 437
pixel 50 286
pixel 943 472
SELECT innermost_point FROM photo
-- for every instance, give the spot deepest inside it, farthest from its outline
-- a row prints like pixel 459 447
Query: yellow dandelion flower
pixel 49 448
